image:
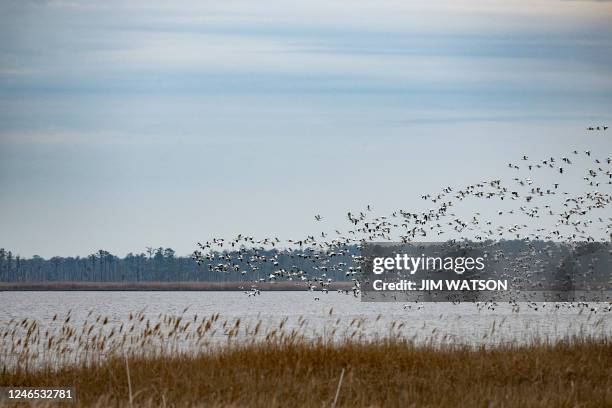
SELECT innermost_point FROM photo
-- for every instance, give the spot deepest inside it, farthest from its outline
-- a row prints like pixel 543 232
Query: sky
pixel 127 124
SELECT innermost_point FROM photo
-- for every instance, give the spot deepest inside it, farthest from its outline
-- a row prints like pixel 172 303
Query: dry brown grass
pixel 191 360
pixel 383 373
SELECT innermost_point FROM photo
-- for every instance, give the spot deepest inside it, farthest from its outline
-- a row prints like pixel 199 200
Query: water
pixel 334 314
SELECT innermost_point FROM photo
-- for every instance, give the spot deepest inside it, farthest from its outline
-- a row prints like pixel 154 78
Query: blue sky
pixel 133 124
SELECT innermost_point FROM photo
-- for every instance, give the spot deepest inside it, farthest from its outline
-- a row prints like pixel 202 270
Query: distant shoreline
pixel 166 286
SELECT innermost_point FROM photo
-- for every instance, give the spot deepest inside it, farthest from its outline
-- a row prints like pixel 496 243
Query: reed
pixel 281 366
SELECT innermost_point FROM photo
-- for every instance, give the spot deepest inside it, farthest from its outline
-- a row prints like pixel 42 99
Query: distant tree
pixel 3 274
pixel 159 264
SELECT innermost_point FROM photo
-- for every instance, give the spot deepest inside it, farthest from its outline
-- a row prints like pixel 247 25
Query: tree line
pixel 152 265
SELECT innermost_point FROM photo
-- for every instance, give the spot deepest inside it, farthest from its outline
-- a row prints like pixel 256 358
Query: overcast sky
pixel 128 124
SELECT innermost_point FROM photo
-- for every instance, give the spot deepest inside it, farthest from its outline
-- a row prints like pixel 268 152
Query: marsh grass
pixel 280 366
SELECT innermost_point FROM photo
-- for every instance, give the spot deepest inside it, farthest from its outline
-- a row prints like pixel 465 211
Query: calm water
pixel 464 323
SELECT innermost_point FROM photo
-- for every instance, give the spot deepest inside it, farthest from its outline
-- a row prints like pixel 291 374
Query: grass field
pixel 383 373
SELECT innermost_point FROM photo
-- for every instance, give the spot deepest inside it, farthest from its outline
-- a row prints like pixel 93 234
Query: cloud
pixel 72 138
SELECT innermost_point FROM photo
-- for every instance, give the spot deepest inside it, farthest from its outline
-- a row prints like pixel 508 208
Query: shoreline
pixel 166 286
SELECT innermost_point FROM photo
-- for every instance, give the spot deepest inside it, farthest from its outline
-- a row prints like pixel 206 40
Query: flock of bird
pixel 602 127
pixel 534 194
